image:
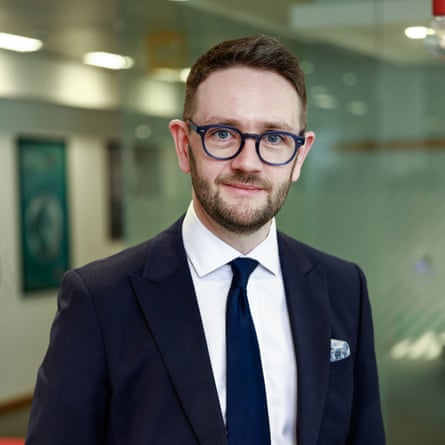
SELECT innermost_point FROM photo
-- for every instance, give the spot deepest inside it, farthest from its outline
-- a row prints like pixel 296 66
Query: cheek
pixel 282 175
pixel 203 170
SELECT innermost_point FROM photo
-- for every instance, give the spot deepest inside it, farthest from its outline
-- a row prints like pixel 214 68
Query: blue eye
pixel 273 138
pixel 222 134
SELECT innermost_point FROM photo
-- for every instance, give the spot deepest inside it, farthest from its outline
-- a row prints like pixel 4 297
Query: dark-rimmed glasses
pixel 223 142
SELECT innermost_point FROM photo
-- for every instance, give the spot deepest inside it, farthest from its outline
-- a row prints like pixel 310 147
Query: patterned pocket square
pixel 339 350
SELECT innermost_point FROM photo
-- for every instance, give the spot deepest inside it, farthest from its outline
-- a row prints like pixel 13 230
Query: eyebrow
pixel 269 125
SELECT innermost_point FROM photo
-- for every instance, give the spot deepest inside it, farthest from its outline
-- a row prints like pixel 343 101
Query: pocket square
pixel 339 350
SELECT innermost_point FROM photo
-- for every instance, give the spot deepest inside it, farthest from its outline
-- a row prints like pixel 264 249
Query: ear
pixel 179 131
pixel 303 151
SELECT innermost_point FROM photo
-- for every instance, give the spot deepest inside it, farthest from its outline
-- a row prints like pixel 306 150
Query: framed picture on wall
pixel 43 212
pixel 115 189
pixel 146 178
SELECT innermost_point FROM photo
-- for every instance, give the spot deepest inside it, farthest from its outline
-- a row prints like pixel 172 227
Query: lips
pixel 247 183
pixel 243 186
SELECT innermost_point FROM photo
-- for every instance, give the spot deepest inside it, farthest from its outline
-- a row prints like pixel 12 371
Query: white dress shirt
pixel 208 258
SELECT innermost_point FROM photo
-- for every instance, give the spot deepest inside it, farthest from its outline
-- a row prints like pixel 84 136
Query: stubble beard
pixel 237 218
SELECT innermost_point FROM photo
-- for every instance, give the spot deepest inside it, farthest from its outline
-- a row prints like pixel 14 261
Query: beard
pixel 238 218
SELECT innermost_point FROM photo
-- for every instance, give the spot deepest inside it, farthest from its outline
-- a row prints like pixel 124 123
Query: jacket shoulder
pixel 311 255
pixel 132 260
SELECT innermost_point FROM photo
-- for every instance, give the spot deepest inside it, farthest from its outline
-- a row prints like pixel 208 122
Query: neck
pixel 244 243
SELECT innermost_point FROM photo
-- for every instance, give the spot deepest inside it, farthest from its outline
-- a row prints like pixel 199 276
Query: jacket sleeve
pixel 71 394
pixel 366 426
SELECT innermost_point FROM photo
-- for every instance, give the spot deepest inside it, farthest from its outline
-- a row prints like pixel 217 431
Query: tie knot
pixel 242 268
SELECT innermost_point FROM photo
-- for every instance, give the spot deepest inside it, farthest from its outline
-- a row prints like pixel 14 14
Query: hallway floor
pixel 14 423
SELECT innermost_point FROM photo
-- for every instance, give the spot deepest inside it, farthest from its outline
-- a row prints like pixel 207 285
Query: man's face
pixel 242 194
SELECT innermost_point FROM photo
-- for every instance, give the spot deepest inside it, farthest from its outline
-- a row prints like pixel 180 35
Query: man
pixel 139 354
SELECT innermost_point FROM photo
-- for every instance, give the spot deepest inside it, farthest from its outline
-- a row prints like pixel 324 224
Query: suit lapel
pixel 167 298
pixel 308 306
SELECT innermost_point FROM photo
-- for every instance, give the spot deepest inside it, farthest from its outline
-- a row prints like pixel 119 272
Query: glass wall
pixel 371 190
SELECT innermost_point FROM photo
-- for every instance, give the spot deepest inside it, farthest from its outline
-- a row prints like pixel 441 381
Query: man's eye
pixel 274 138
pixel 221 134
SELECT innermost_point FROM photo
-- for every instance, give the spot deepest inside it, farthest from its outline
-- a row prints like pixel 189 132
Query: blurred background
pixel 87 165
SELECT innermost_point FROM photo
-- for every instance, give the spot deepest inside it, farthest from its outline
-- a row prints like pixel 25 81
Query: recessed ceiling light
pixel 350 79
pixel 357 108
pixel 307 66
pixel 184 73
pixel 170 74
pixel 416 32
pixel 22 44
pixel 108 60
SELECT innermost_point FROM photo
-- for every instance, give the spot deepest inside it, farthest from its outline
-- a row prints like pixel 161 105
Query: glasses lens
pixel 222 142
pixel 276 147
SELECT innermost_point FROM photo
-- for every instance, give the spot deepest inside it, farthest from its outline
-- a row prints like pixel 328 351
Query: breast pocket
pixel 341 367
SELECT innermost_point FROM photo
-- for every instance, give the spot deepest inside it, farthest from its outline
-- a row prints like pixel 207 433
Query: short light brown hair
pixel 260 52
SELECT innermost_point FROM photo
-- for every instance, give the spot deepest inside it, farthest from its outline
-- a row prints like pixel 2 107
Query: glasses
pixel 223 142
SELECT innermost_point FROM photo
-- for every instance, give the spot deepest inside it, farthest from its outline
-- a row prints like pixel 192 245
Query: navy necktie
pixel 247 419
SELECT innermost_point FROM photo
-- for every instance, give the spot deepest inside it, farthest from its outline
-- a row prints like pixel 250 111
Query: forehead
pixel 248 95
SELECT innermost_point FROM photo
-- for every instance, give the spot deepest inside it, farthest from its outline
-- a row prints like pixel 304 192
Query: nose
pixel 247 159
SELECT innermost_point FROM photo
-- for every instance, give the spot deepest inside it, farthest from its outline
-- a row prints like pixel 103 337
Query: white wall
pixel 25 320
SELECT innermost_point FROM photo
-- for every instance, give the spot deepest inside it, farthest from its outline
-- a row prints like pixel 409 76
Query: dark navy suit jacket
pixel 127 362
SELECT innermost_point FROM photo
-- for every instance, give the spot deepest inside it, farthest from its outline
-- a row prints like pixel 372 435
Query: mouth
pixel 244 187
pixel 243 190
pixel 245 184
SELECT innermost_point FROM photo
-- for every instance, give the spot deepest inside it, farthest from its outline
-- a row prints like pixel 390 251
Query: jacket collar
pixel 167 299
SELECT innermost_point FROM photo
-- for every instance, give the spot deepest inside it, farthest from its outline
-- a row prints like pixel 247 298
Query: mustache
pixel 243 178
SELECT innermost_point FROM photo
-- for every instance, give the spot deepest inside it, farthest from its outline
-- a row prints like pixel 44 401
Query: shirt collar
pixel 207 252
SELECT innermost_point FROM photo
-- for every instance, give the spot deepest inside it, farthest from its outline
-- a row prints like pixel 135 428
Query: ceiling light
pixel 358 108
pixel 170 74
pixel 108 60
pixel 18 43
pixel 416 32
pixel 350 79
pixel 183 74
pixel 307 66
pixel 325 101
pixel 143 131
